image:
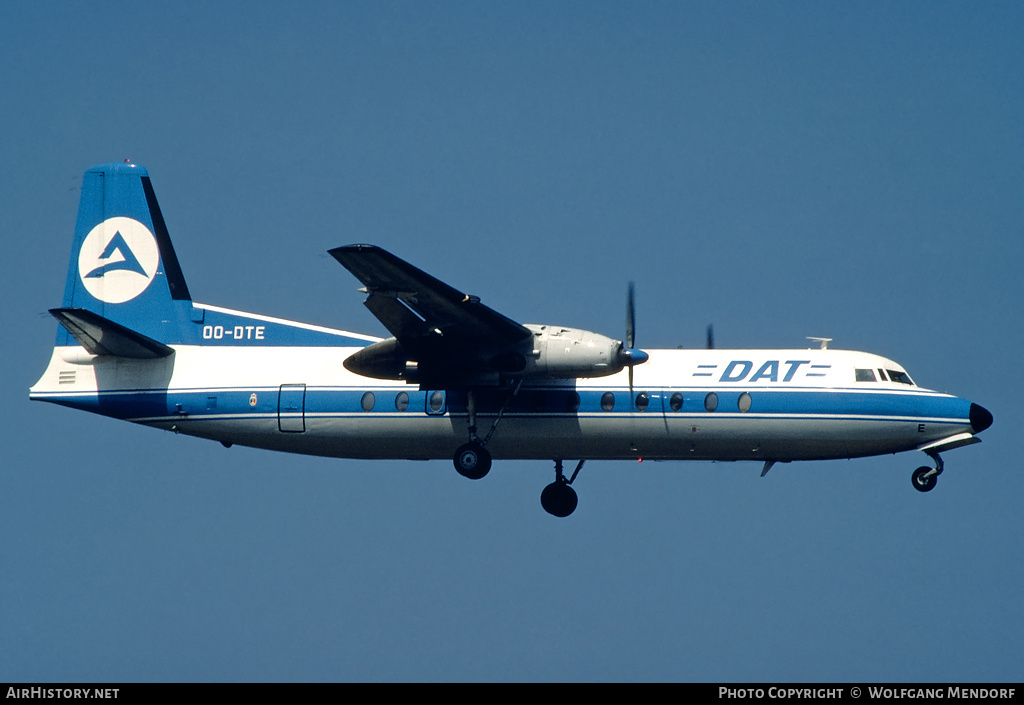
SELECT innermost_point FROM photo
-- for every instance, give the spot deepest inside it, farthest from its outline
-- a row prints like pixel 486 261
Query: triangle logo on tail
pixel 128 260
pixel 118 260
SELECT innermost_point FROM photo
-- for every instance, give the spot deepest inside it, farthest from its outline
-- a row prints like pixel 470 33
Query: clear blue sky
pixel 782 170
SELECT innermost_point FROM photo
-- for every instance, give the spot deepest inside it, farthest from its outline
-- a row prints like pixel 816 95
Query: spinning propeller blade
pixel 630 355
pixel 630 316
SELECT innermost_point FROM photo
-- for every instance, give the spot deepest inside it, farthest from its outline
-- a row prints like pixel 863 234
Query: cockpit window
pixel 865 375
pixel 901 377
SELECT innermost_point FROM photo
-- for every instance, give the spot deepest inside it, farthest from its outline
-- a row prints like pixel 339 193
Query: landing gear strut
pixel 558 498
pixel 471 459
pixel 924 478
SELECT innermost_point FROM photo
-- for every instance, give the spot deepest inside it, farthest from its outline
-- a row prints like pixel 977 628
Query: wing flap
pixel 396 317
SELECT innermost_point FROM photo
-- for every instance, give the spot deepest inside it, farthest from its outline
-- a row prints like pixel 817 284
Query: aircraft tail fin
pixel 124 281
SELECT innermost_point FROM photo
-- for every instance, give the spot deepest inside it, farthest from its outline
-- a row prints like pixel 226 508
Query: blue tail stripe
pixel 124 270
pixel 172 269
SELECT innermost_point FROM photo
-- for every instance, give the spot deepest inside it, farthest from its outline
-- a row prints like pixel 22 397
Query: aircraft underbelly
pixel 654 437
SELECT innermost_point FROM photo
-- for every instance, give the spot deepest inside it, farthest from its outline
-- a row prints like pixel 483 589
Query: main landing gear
pixel 924 478
pixel 471 459
pixel 558 498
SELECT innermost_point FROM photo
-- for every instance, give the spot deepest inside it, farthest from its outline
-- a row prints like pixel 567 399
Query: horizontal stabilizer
pixel 100 336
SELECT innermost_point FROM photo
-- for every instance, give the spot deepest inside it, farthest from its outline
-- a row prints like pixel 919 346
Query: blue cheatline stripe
pixel 153 404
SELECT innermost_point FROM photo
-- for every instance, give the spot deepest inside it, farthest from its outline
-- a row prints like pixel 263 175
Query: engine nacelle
pixel 389 359
pixel 386 359
pixel 553 352
pixel 561 353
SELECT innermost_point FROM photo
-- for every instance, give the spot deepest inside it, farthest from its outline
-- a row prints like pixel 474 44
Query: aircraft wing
pixel 413 305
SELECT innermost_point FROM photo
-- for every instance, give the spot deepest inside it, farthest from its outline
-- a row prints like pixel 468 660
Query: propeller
pixel 630 316
pixel 630 355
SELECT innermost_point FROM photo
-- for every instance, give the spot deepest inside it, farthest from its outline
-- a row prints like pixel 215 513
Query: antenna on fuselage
pixel 822 341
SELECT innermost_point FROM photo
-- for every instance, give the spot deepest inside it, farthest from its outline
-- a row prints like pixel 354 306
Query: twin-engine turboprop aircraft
pixel 456 379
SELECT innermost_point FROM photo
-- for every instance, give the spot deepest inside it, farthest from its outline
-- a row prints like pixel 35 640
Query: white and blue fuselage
pixel 686 404
pixel 141 351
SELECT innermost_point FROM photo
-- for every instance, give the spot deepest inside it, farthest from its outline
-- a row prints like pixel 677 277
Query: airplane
pixel 455 379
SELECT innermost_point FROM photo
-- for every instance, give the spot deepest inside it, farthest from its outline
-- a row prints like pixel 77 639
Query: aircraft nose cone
pixel 980 417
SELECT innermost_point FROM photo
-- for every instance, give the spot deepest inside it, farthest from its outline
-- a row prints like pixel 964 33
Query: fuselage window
pixel 402 401
pixel 901 377
pixel 608 401
pixel 865 375
pixel 744 402
pixel 367 401
pixel 642 401
pixel 436 402
pixel 711 401
pixel 676 402
pixel 881 375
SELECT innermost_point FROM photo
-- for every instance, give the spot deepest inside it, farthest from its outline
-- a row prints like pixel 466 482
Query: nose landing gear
pixel 924 478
